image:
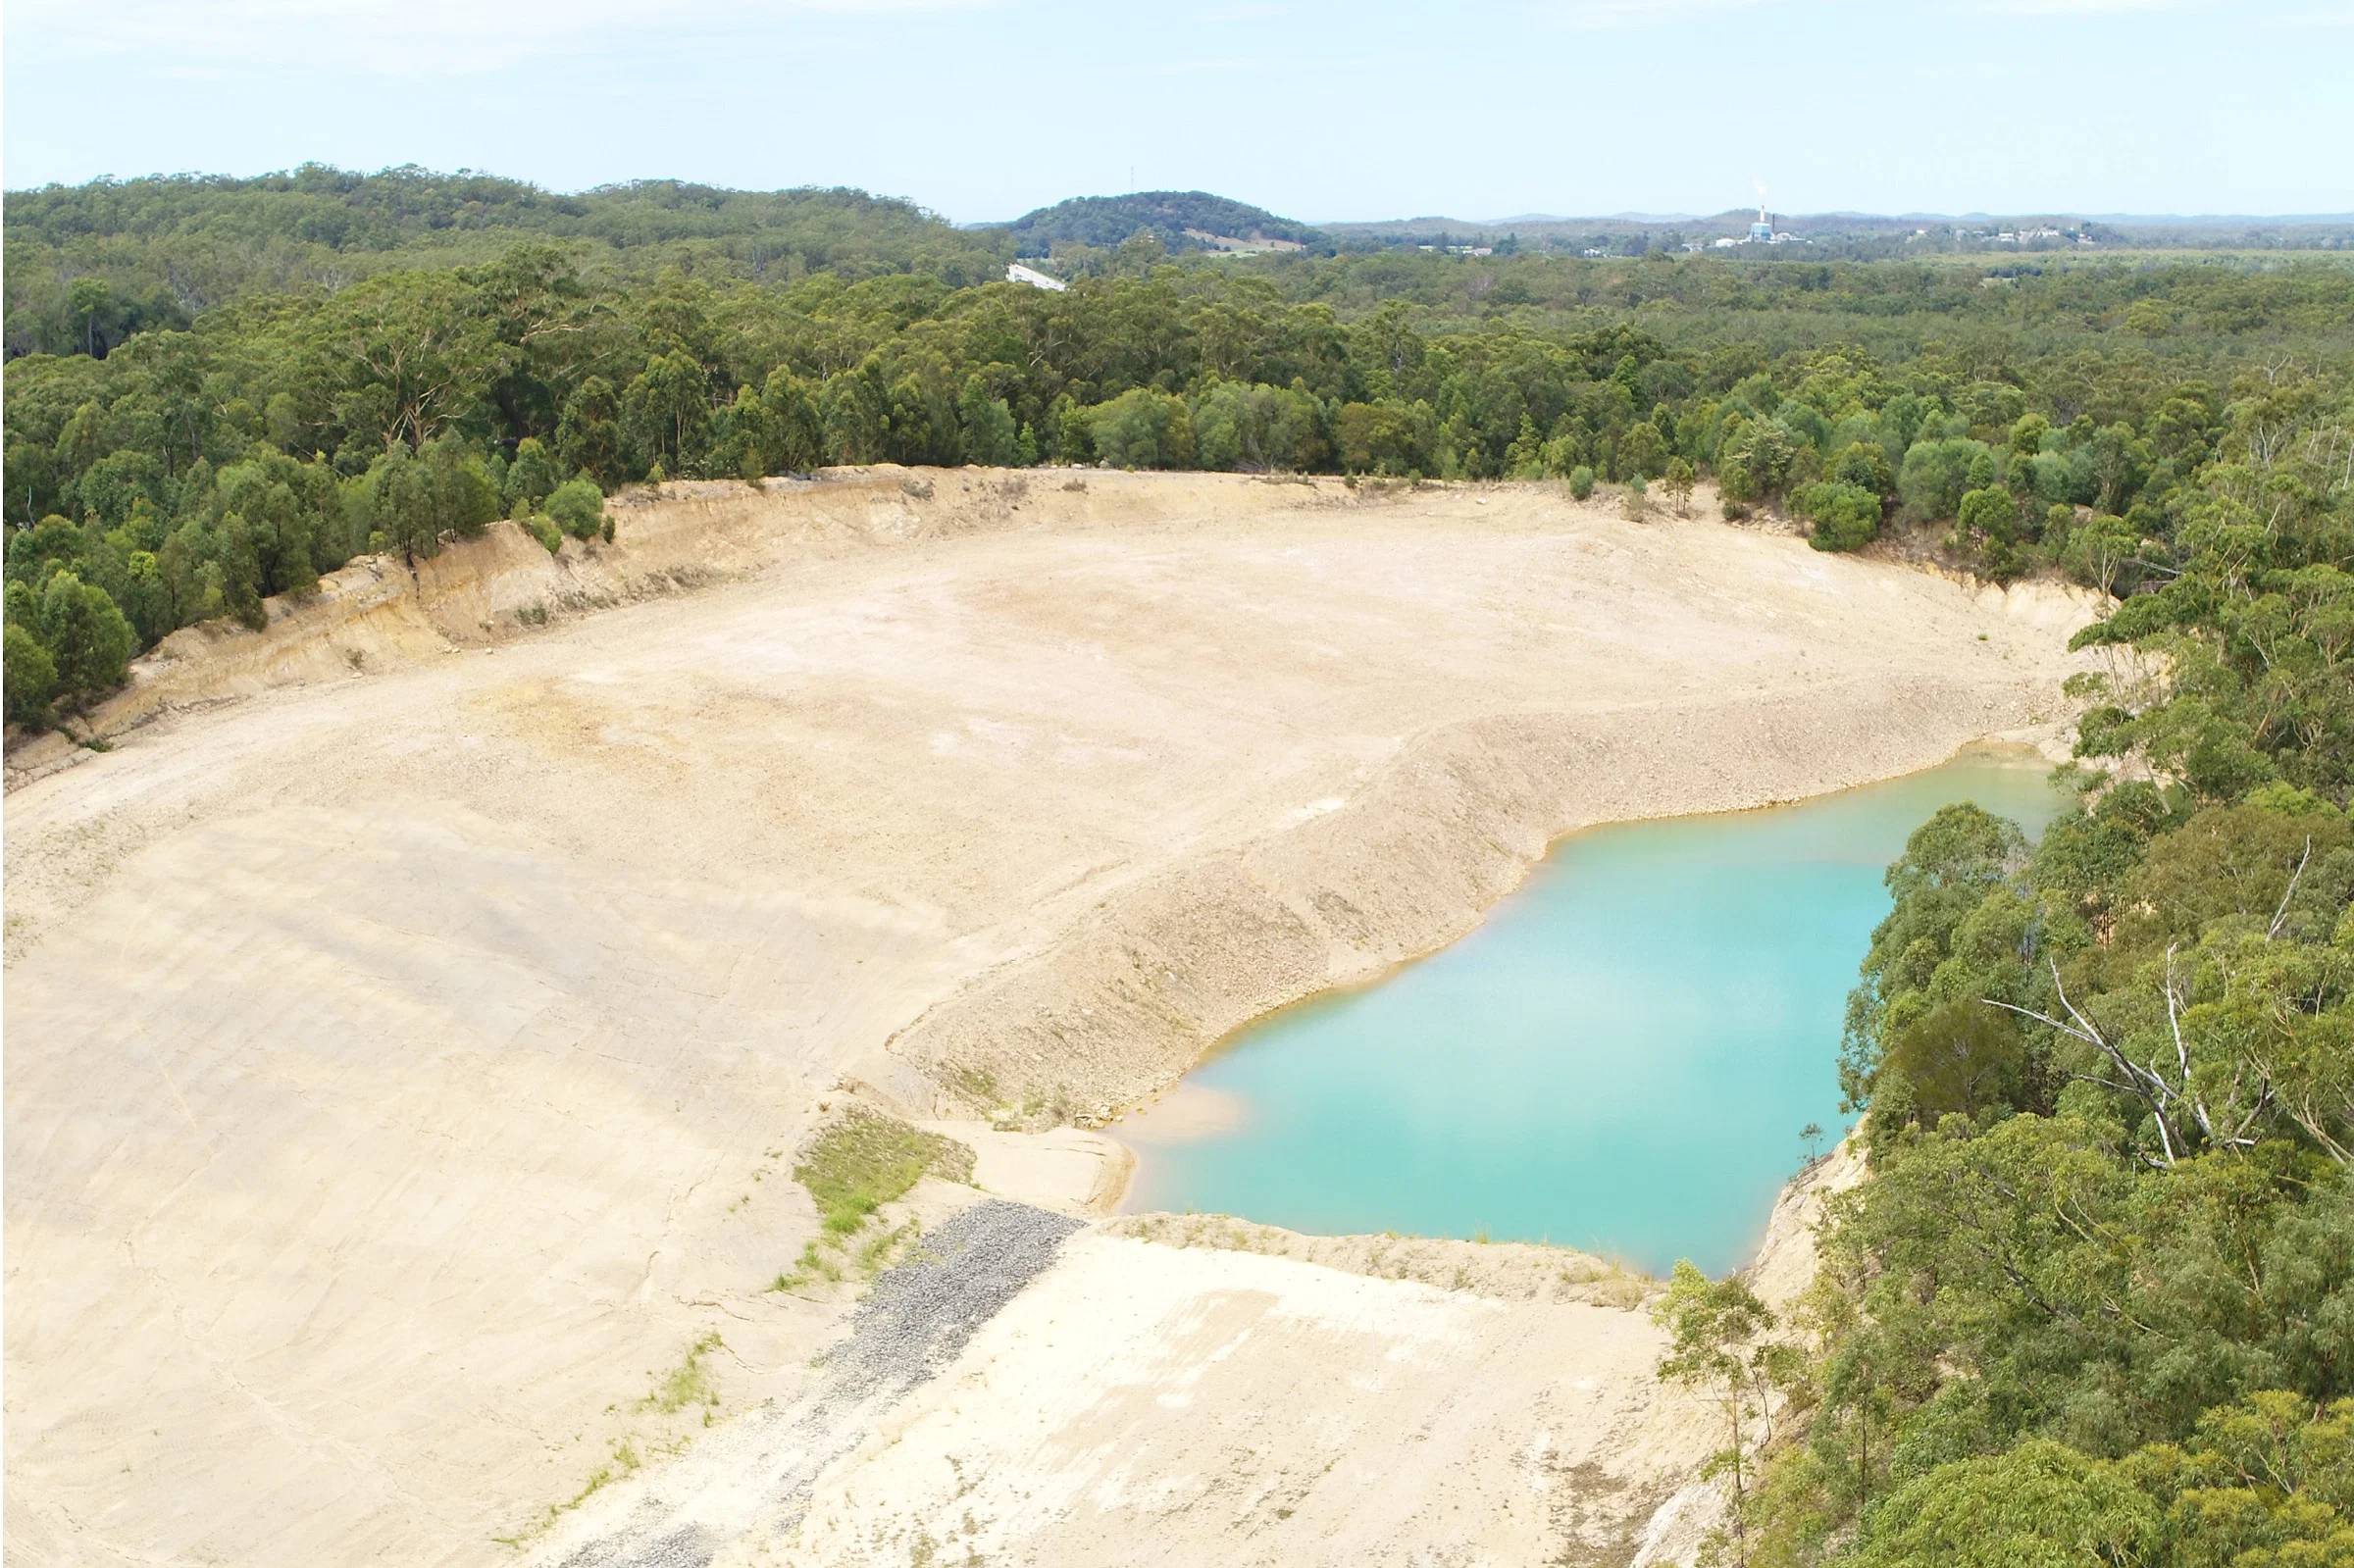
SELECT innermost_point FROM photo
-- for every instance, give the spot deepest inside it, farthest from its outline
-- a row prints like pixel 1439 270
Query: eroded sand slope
pixel 402 1059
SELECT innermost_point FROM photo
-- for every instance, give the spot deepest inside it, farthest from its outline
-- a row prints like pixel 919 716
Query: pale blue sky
pixel 1317 108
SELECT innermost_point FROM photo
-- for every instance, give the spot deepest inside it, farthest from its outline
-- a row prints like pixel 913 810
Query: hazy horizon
pixel 1652 216
pixel 982 110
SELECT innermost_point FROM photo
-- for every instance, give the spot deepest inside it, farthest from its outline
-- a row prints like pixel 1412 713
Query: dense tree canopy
pixel 235 385
pixel 2097 1302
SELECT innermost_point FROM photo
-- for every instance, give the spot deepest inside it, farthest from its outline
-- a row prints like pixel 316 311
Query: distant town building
pixel 1016 272
pixel 1762 233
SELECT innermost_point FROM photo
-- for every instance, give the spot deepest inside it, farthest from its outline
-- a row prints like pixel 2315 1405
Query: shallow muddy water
pixel 1619 1058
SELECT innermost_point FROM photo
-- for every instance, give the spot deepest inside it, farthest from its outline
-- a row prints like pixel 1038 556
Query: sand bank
pixel 405 1052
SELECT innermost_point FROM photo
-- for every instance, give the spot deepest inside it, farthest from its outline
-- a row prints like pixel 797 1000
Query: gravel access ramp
pixel 754 1478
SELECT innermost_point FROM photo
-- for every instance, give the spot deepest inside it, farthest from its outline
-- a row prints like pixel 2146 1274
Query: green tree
pixel 1865 467
pixel 89 296
pixel 1642 454
pixel 531 475
pixel 413 502
pixel 32 676
pixel 259 494
pixel 1961 1059
pixel 402 357
pixel 578 507
pixel 1718 1343
pixel 1845 517
pixel 796 430
pixel 2099 553
pixel 1935 475
pixel 666 413
pixel 1143 428
pixel 2040 1506
pixel 1991 513
pixel 1950 864
pixel 89 641
pixel 852 414
pixel 991 436
pixel 1680 482
pixel 588 434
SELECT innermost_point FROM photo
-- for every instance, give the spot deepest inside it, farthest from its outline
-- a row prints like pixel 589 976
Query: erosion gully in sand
pixel 413 1017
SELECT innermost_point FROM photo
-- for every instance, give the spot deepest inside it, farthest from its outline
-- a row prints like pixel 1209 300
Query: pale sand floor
pixel 403 1068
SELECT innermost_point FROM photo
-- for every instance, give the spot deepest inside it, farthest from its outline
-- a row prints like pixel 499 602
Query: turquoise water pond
pixel 1618 1059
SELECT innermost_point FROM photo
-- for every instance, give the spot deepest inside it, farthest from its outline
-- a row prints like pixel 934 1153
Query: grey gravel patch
pixel 684 1547
pixel 919 1314
pixel 916 1318
pixel 923 1311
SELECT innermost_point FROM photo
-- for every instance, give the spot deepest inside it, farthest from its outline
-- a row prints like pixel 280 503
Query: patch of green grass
pixel 687 1386
pixel 816 1263
pixel 878 1248
pixel 976 1084
pixel 687 1383
pixel 1042 1105
pixel 859 1162
pixel 625 1461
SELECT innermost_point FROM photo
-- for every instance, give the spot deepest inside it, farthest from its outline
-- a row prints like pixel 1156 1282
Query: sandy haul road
pixel 404 1060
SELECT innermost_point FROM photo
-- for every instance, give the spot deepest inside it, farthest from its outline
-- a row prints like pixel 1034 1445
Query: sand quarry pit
pixel 412 1018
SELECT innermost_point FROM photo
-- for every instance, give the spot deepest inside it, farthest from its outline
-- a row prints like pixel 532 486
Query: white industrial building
pixel 1016 272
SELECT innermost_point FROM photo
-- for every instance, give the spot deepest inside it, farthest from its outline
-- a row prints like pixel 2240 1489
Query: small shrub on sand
pixel 578 507
pixel 1637 502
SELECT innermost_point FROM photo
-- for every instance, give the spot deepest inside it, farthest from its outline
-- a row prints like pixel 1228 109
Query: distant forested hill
pixel 1178 218
pixel 157 251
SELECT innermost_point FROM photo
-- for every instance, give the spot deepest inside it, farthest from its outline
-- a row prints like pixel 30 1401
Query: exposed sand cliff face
pixel 379 613
pixel 404 1058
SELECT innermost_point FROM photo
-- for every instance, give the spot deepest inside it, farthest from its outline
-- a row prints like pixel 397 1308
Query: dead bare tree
pixel 2173 1099
pixel 2290 891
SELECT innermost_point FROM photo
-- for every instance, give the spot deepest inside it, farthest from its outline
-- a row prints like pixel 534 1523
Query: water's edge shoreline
pixel 2040 742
